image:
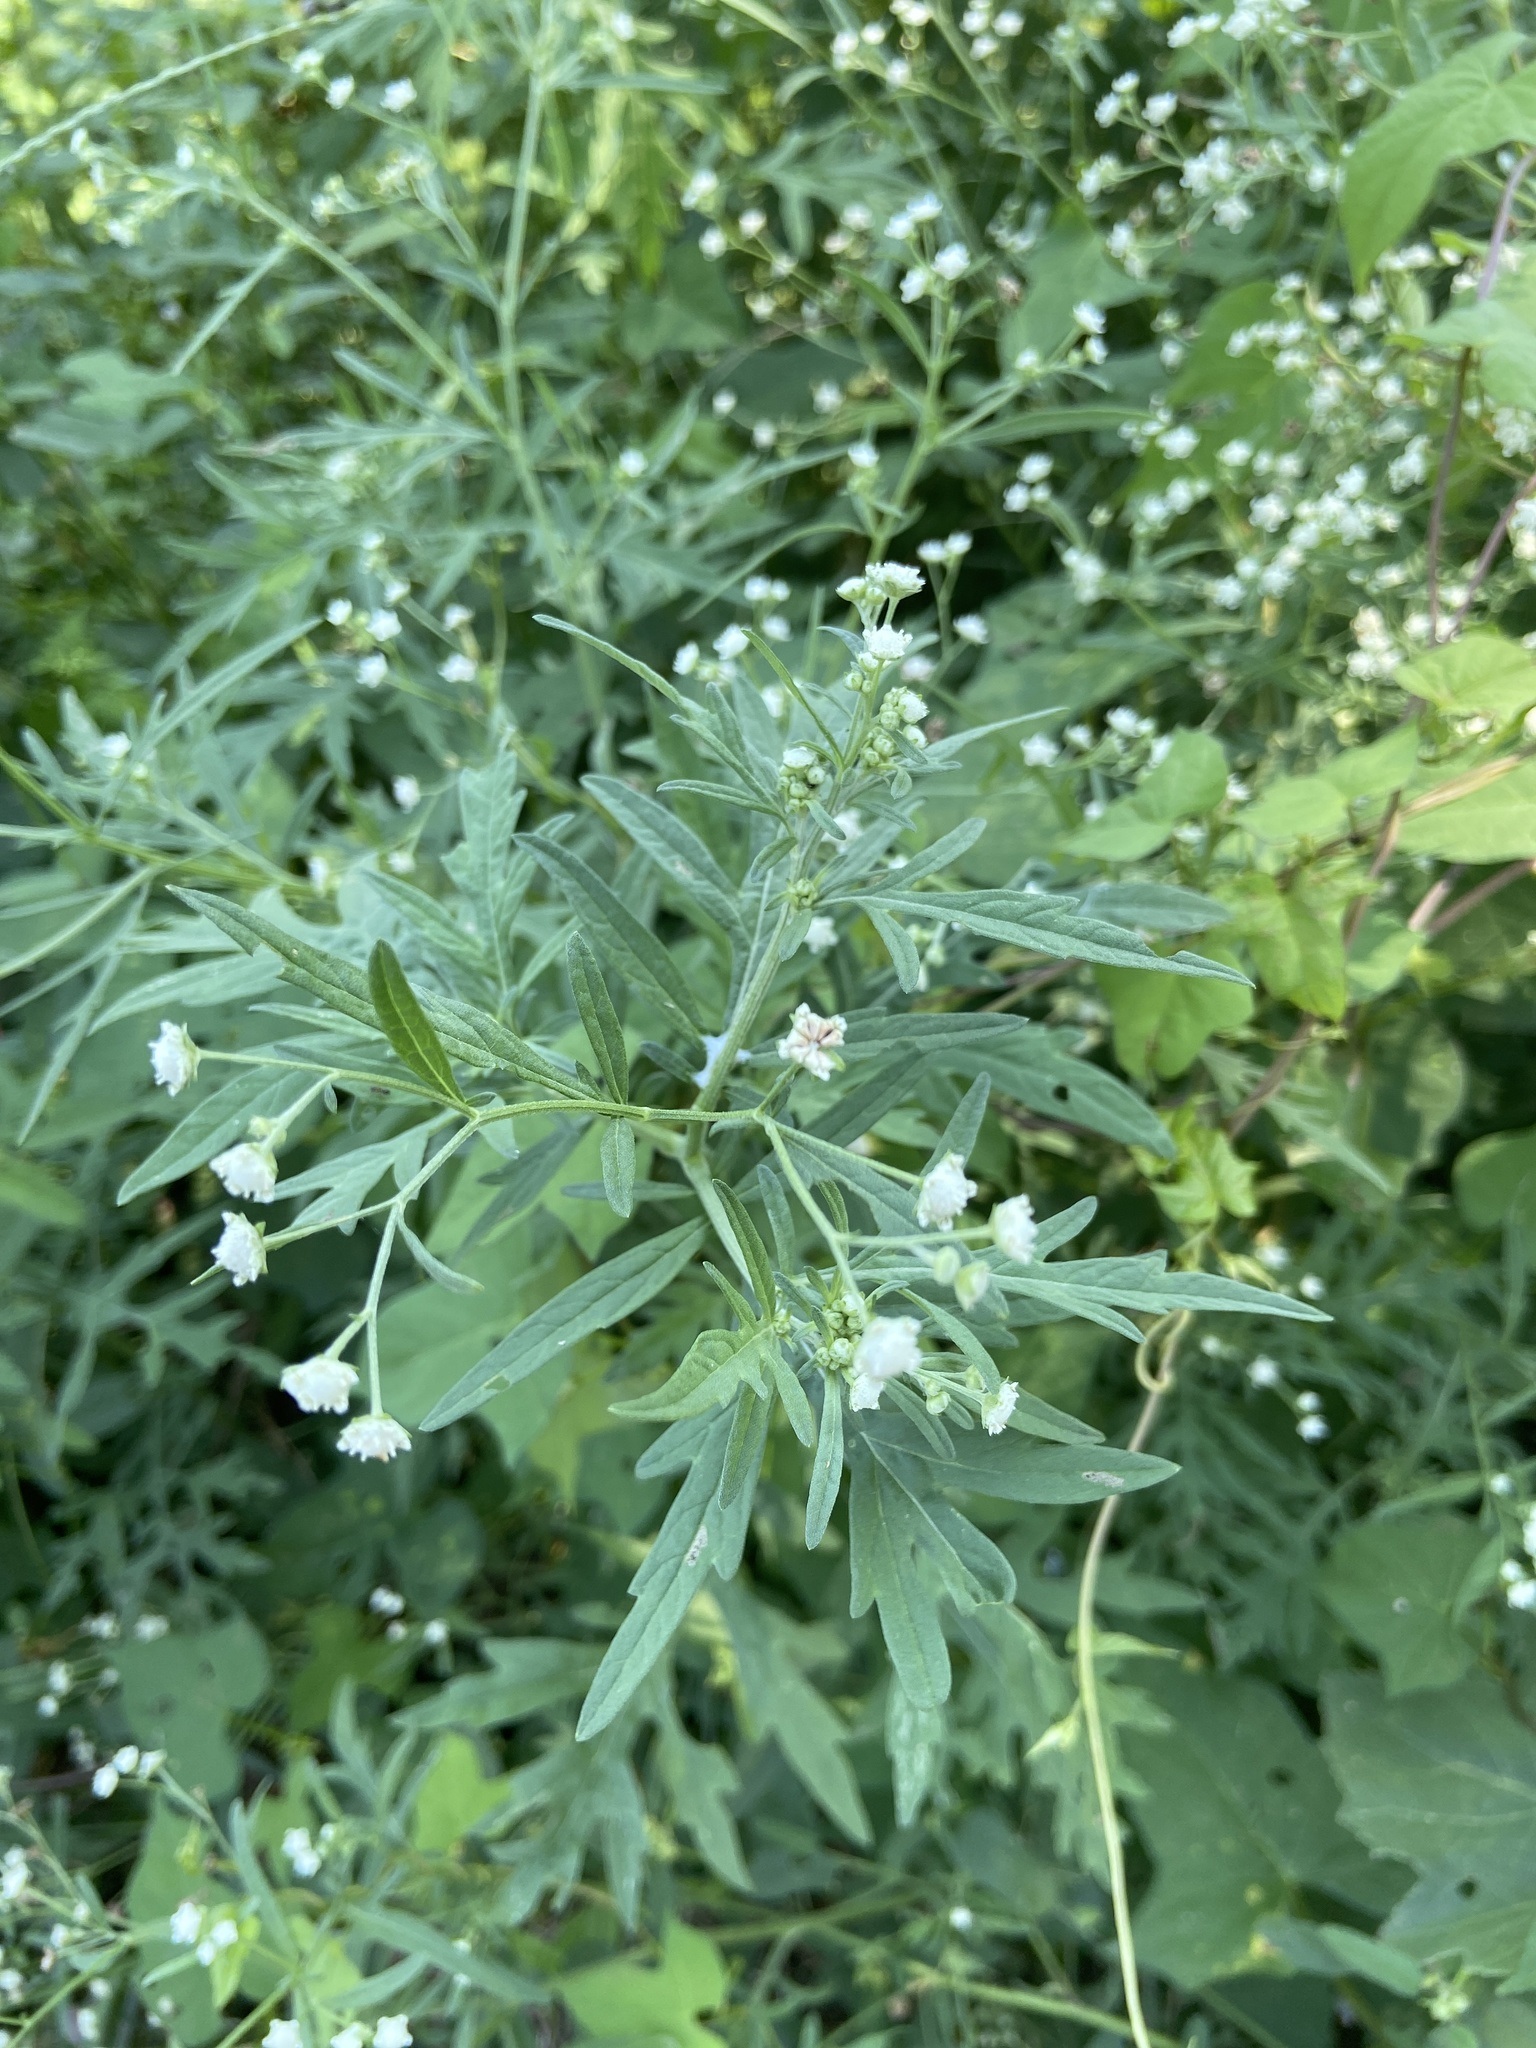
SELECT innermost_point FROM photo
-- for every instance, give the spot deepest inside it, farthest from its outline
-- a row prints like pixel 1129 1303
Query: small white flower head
pixel 864 455
pixel 886 643
pixel 127 1760
pixel 1014 1229
pixel 240 1250
pixel 820 935
pixel 952 262
pixel 372 670
pixel 1528 1533
pixel 962 1919
pixel 971 1284
pixel 320 1385
pixel 686 659
pixel 1502 1484
pixel 457 616
pixel 1090 318
pixel 173 1057
pixel 1310 1288
pixel 712 243
pixel 632 463
pixel 398 95
pixel 1161 107
pixel 301 1852
pixel 1312 1429
pixel 104 1781
pixel 249 1172
pixel 149 1628
pixel 1263 1373
pixel 731 643
pixel 393 2031
pixel 354 2035
pixel 971 627
pixel 340 90
pixel 283 2034
pixel 406 791
pixel 186 1923
pixel 1039 750
pixel 373 1436
pixel 384 624
pixel 887 1348
pixel 435 1633
pixel 339 611
pixel 998 1408
pixel 386 1601
pixel 944 1193
pixel 811 1041
pixel 458 668
pixel 1522 1595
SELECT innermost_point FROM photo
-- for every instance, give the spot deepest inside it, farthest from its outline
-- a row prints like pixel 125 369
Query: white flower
pixel 1312 1429
pixel 406 791
pixel 1160 107
pixel 340 90
pixel 1310 1288
pixel 1179 442
pixel 972 628
pixel 811 1040
pixel 457 616
pixel 398 95
pixel 319 1384
pixel 1264 1373
pixel 962 1919
pixel 104 1782
pixel 353 2036
pixel 240 1250
pixel 1014 1229
pixel 1528 1533
pixel 886 643
pixel 1522 1595
pixel 386 1601
pixel 1039 750
pixel 998 1407
pixel 864 455
pixel 338 611
pixel 459 668
pixel 283 2034
pixel 1088 316
pixel 712 244
pixel 435 1634
pixel 372 670
pixel 820 935
pixel 393 2031
pixel 149 1628
pixel 186 1923
pixel 301 1852
pixel 952 261
pixel 173 1057
pixel 249 1172
pixel 887 1348
pixel 731 642
pixel 373 1436
pixel 632 463
pixel 686 659
pixel 384 624
pixel 944 1193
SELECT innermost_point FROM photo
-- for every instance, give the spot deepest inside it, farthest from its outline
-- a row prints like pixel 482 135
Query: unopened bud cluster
pixel 801 775
pixel 898 720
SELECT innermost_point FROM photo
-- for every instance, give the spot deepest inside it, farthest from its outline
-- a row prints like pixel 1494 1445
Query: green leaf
pixel 1466 106
pixel 754 1253
pixel 898 943
pixel 827 1470
pixel 1296 938
pixel 413 1937
pixel 594 1302
pixel 599 1019
pixel 744 1451
pixel 1495 823
pixel 882 1546
pixel 32 1189
pixel 1237 1813
pixel 1008 1468
pixel 1445 1780
pixel 528 1675
pixel 622 2000
pixel 209 1126
pixel 636 953
pixel 1161 1024
pixel 1479 671
pixel 1491 1175
pixel 1398 1587
pixel 701 1534
pixel 405 1023
pixel 717 1364
pixel 617 1154
pixel 1042 924
pixel 675 848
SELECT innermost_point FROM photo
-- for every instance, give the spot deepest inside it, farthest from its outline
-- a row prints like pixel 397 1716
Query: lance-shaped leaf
pixel 210 1125
pixel 637 953
pixel 599 1019
pixel 677 850
pixel 883 1539
pixel 827 1470
pixel 717 1364
pixel 700 1534
pixel 1042 924
pixel 617 1155
pixel 594 1302
pixel 405 1022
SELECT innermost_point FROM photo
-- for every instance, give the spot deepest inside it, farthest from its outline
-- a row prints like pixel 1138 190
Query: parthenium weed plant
pixel 806 739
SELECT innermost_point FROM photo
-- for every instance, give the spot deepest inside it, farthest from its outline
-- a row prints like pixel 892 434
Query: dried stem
pixel 1501 221
pixel 1515 872
pixel 1434 896
pixel 1282 1064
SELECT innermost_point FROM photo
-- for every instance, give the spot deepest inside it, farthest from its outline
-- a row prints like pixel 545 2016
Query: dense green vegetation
pixel 767 1178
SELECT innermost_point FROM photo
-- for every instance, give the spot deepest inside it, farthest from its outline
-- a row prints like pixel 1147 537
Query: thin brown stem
pixel 1385 845
pixel 1501 221
pixel 1424 910
pixel 1273 1080
pixel 1515 872
pixel 1489 555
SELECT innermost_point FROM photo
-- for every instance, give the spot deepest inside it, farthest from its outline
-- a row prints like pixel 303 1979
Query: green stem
pixel 1048 2007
